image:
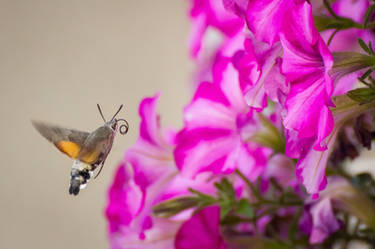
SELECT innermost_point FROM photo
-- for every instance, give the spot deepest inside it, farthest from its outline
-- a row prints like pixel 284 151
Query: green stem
pixel 331 36
pixel 250 184
pixel 370 25
pixel 330 10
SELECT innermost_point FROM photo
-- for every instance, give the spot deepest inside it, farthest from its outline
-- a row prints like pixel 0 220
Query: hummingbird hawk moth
pixel 89 150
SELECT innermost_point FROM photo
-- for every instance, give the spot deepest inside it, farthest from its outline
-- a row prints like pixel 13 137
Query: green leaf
pixel 269 136
pixel 245 208
pixel 204 200
pixel 364 46
pixel 366 74
pixel 226 197
pixel 174 206
pixel 362 95
pixel 368 14
pixel 370 47
pixel 225 208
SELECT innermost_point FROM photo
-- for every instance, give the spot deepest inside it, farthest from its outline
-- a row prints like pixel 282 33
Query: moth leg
pixel 100 170
pixel 100 162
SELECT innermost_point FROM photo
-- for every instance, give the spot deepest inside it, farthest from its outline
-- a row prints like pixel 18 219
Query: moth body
pixel 89 150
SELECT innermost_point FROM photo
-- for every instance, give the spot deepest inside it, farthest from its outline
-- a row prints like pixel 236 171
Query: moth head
pixel 113 123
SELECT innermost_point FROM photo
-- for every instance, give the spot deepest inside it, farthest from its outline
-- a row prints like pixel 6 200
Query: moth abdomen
pixel 74 186
pixel 80 175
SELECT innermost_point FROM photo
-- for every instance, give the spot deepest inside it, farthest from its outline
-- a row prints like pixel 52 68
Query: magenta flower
pixel 319 221
pixel 202 230
pixel 129 216
pixel 152 155
pixel 210 13
pixel 120 211
pixel 282 169
pixel 306 64
pixel 265 18
pixel 324 221
pixel 218 128
pixel 262 96
pixel 135 189
pixel 147 176
pixel 211 53
pixel 259 71
pixel 215 33
pixel 312 163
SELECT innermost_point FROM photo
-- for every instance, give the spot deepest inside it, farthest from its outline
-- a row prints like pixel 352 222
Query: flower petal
pixel 201 231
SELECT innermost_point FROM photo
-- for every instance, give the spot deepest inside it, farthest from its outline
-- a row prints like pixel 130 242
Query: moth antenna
pixel 119 109
pixel 101 114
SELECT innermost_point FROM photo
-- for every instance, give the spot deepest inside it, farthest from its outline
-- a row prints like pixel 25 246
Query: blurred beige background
pixel 57 60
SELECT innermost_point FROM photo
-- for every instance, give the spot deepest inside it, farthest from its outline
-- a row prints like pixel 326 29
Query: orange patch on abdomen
pixel 69 148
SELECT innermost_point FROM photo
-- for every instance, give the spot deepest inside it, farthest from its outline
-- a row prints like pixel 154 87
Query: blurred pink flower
pixel 210 13
pixel 202 230
pixel 147 176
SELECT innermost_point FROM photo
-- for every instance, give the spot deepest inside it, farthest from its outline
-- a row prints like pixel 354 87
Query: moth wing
pixel 68 141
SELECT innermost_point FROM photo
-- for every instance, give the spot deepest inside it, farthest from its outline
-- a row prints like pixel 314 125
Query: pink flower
pixel 135 189
pixel 151 156
pixel 324 221
pixel 319 220
pixel 202 230
pixel 281 168
pixel 147 176
pixel 259 71
pixel 265 18
pixel 210 13
pixel 211 53
pixel 238 7
pixel 120 210
pixel 215 33
pixel 306 64
pixel 129 215
pixel 218 128
pixel 312 163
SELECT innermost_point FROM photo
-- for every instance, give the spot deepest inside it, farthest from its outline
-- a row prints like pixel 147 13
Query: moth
pixel 89 150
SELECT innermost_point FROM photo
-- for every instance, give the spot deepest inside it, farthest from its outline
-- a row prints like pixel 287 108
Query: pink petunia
pixel 265 18
pixel 306 64
pixel 147 177
pixel 258 65
pixel 202 230
pixel 210 13
pixel 218 128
